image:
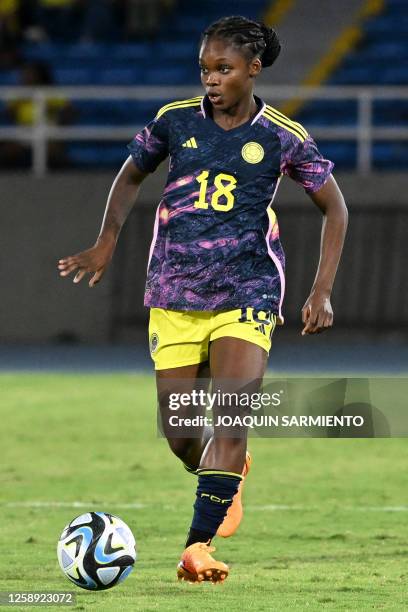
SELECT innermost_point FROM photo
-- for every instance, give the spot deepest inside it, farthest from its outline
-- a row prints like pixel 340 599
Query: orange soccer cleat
pixel 233 517
pixel 197 565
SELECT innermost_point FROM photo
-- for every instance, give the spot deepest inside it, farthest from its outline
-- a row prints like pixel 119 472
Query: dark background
pixel 43 219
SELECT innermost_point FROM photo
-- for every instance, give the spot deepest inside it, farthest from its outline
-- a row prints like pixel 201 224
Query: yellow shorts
pixel 179 338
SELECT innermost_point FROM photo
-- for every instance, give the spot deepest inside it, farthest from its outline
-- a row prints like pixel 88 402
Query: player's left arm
pixel 317 313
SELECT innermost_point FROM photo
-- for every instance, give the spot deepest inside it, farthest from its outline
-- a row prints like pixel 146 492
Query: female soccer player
pixel 215 281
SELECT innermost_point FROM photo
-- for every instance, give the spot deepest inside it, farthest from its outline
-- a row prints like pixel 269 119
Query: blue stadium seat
pixel 132 52
pixel 343 154
pixel 83 50
pixel 379 51
pixel 390 112
pixel 40 51
pixel 96 155
pixel 328 112
pixel 113 112
pixel 356 75
pixel 390 155
pixel 191 25
pixel 9 77
pixel 116 112
pixel 4 116
pixel 378 28
pixel 74 76
pixel 118 76
pixel 175 50
pixel 177 75
pixel 380 58
pixel 215 9
pixel 395 75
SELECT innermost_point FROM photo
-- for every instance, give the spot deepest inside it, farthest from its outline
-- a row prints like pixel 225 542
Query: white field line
pixel 279 508
pixel 139 506
pixel 74 504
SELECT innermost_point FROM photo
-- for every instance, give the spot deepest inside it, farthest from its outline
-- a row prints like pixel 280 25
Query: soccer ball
pixel 96 551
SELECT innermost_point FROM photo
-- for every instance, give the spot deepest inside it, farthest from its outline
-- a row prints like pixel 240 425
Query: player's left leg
pixel 232 372
pixel 236 365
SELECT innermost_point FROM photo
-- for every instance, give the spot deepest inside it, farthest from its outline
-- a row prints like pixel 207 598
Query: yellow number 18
pixel 224 183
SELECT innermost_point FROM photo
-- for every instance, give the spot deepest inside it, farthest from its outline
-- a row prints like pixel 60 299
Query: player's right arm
pixel 121 200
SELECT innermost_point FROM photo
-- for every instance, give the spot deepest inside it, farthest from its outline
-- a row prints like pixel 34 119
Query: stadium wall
pixel 45 219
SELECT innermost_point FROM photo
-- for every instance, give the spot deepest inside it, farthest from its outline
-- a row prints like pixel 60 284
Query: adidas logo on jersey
pixel 191 143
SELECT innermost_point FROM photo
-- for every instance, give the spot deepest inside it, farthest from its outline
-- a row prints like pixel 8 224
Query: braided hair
pixel 253 38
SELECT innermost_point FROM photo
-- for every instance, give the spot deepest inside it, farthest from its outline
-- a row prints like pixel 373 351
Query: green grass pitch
pixel 325 525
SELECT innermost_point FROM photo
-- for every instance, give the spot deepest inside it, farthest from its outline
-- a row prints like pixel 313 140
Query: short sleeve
pixel 150 146
pixel 302 161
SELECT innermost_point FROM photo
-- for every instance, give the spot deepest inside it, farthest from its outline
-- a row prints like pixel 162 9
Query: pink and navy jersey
pixel 216 237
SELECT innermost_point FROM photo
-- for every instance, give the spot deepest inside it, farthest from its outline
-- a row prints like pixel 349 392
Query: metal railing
pixel 364 133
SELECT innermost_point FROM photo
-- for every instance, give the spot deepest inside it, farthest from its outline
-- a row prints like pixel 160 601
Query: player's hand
pixel 92 261
pixel 317 313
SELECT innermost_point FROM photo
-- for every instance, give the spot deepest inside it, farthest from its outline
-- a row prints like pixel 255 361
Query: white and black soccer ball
pixel 96 551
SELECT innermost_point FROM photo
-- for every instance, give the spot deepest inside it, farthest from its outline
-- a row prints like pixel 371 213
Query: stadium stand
pixel 170 59
pixel 171 56
pixel 380 58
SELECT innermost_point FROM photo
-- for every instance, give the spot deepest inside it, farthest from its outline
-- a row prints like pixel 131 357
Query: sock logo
pixel 216 499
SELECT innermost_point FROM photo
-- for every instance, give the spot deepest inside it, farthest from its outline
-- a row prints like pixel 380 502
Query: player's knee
pixel 181 447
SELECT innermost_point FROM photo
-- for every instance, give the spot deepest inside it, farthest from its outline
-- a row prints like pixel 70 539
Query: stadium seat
pixel 131 52
pixel 4 116
pixel 114 112
pixel 344 154
pixel 9 77
pixel 74 76
pixel 390 112
pixel 381 58
pixel 96 155
pixel 177 75
pixel 118 76
pixel 329 112
pixel 175 50
pixel 390 155
pixel 395 75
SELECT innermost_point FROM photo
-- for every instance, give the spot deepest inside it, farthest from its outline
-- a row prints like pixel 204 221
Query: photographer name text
pixel 252 421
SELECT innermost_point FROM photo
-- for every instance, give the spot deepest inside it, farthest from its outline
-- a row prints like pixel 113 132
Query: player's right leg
pixel 187 443
pixel 179 348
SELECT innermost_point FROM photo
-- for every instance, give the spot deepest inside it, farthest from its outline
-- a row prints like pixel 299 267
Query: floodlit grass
pixel 325 524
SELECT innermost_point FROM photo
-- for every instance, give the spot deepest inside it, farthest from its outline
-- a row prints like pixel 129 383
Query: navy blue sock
pixel 215 491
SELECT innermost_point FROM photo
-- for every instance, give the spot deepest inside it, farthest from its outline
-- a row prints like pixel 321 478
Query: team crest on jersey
pixel 253 152
pixel 154 342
